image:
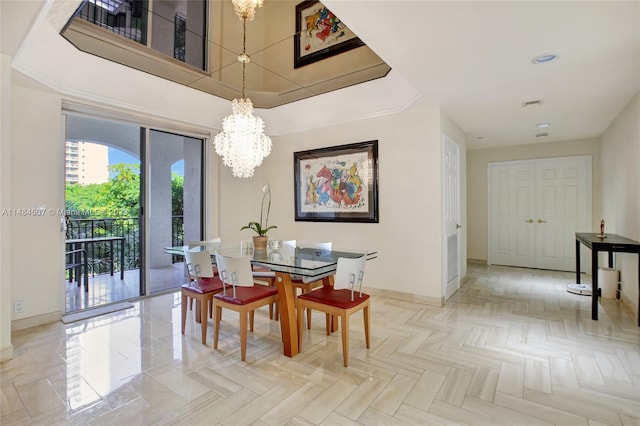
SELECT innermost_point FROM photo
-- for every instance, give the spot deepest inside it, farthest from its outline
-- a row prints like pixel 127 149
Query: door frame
pixel 589 187
pixel 146 183
pixel 446 291
pixel 209 180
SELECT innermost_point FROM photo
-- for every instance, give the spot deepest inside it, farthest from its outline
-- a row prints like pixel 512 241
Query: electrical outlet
pixel 18 306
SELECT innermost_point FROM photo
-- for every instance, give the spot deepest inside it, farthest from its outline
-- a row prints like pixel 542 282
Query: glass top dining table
pixel 284 261
pixel 306 262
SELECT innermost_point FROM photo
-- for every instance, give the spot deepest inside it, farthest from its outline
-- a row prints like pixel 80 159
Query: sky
pixel 116 156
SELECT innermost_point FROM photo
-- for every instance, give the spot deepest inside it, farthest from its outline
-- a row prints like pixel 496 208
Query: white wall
pixel 6 349
pixel 477 161
pixel 408 237
pixel 620 177
pixel 37 179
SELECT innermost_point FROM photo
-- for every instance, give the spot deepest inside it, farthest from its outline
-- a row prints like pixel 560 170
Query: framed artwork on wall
pixel 337 184
pixel 319 34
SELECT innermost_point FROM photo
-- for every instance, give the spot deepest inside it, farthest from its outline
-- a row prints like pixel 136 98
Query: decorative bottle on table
pixel 602 227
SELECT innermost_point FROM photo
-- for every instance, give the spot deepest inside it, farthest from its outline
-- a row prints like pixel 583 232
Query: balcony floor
pixel 105 289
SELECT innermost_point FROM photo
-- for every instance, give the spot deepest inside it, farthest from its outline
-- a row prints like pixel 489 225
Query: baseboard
pixel 432 301
pixel 6 353
pixel 477 261
pixel 21 324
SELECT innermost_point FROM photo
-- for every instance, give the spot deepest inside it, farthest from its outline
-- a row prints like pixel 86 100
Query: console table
pixel 609 243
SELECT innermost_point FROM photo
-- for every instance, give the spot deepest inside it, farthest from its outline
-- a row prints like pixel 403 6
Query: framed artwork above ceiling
pixel 320 34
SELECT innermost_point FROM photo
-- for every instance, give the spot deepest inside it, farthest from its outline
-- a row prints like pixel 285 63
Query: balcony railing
pixel 126 18
pixel 177 235
pixel 99 253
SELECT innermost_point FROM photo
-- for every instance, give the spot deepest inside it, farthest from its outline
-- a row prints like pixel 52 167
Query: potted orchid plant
pixel 261 228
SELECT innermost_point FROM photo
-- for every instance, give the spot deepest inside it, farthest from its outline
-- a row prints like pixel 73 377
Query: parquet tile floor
pixel 511 347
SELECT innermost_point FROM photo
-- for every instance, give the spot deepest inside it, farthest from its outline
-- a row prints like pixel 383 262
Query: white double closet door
pixel 535 209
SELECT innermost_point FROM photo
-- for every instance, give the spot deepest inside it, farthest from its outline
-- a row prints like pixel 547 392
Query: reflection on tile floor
pixel 510 347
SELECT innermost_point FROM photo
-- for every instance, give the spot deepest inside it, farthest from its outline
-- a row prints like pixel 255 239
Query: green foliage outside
pixel 177 191
pixel 119 197
pixel 113 208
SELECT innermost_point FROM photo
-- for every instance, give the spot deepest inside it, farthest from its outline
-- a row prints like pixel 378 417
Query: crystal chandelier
pixel 246 9
pixel 242 143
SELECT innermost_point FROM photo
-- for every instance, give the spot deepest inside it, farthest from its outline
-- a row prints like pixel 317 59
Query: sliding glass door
pixel 130 192
pixel 175 206
pixel 102 208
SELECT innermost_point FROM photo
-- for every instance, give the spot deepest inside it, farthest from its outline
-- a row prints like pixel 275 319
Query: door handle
pixel 529 221
pixel 458 226
pixel 542 221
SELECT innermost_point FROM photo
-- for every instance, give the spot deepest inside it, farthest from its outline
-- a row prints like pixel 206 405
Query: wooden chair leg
pixel 344 319
pixel 204 304
pixel 184 311
pixel 198 308
pixel 328 323
pixel 365 314
pixel 243 335
pixel 251 315
pixel 303 291
pixel 216 325
pixel 300 318
pixel 309 318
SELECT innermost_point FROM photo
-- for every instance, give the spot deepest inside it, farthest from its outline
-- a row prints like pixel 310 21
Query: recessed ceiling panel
pixel 270 77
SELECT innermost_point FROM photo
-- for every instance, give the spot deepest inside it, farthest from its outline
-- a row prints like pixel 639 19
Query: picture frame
pixel 337 184
pixel 319 34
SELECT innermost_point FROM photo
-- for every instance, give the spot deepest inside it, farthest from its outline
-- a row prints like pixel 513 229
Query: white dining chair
pixel 201 287
pixel 211 245
pixel 306 284
pixel 239 294
pixel 342 300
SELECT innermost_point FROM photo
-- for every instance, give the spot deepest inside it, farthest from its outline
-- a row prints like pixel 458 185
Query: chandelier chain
pixel 244 52
pixel 242 144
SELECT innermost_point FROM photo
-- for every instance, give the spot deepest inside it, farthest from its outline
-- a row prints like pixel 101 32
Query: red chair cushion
pixel 207 285
pixel 336 298
pixel 246 295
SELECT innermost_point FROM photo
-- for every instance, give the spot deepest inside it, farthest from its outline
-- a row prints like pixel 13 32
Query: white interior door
pixel 512 212
pixel 563 188
pixel 451 172
pixel 535 209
